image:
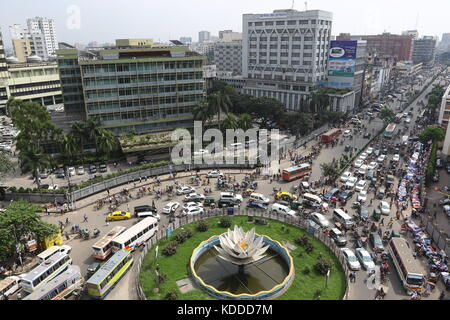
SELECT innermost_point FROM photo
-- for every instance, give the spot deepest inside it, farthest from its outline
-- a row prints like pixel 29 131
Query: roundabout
pixel 286 270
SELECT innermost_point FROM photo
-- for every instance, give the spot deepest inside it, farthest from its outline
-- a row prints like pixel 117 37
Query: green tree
pixel 6 166
pixel 230 122
pixel 70 146
pixel 33 160
pixel 433 133
pixel 19 223
pixel 202 111
pixel 319 100
pixel 330 170
pixel 106 141
pixel 219 102
pixel 245 122
pixel 387 115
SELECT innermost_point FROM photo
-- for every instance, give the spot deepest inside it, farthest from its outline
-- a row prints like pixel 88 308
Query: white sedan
pixel 192 205
pixel 408 120
pixel 80 170
pixel 361 185
pixel 171 207
pixel 345 176
pixel 372 166
pixel 385 208
pixel 193 210
pixel 358 163
pixel 351 259
pixel 365 258
pixel 381 158
pixel 351 183
pixel 320 219
pixel 194 197
pixel 363 156
pixel 362 196
pixel 215 174
pixel 185 190
pixel 369 151
pixel 396 158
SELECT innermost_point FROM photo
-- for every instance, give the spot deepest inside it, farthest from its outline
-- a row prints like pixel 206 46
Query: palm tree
pixel 107 141
pixel 202 111
pixel 70 145
pixel 33 159
pixel 230 122
pixel 245 122
pixel 92 129
pixel 219 102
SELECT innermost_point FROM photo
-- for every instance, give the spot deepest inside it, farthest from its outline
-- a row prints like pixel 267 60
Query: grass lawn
pixel 304 286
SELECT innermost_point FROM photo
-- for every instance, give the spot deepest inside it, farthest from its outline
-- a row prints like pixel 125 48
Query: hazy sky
pixel 106 20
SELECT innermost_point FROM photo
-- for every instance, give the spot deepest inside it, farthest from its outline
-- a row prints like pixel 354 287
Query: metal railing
pixel 297 221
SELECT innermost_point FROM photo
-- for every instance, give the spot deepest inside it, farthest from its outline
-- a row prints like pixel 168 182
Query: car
pixel 361 185
pixel 408 120
pixel 363 156
pixel 363 213
pixel 192 204
pixel 358 163
pixel 369 151
pixel 362 170
pixel 305 187
pixel 231 196
pixel 60 173
pixel 332 193
pixel 200 152
pixel 396 158
pixel 367 135
pixel 103 167
pixel 446 209
pixel 54 187
pixel 231 202
pixel 447 168
pixel 385 208
pixel 71 171
pixel 347 133
pixel 405 114
pixel 193 210
pixel 257 205
pixel 195 197
pixel 258 197
pixel 185 190
pixel 171 207
pixel 43 175
pixel 376 152
pixel 345 176
pixel 381 158
pixel 365 259
pixel 319 219
pixel 287 196
pixel 345 195
pixel 350 184
pixel 376 242
pixel 145 211
pixel 80 170
pixel 92 168
pixel 338 237
pixel 119 215
pixel 355 121
pixel 351 259
pixel 215 174
pixel 362 196
pixel 436 176
pixel 439 163
pixel 93 268
pixel 282 209
pixel 372 166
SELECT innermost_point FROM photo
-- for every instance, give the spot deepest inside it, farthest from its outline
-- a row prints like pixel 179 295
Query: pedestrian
pixel 67 221
pixel 107 190
pixel 435 214
pixel 382 222
pixel 398 215
pixel 85 218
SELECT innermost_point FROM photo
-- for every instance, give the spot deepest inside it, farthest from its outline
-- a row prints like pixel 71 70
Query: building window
pixel 292 23
pixel 269 23
pixel 281 23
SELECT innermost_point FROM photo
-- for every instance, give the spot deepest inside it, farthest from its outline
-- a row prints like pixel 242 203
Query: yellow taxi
pixel 286 196
pixel 119 215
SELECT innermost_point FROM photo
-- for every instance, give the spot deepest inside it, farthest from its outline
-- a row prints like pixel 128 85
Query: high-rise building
pixel 385 45
pixel 3 74
pixel 204 36
pixel 43 32
pixel 424 50
pixel 228 57
pixel 412 33
pixel 229 35
pixel 186 40
pixel 285 54
pixel 140 88
pixel 444 45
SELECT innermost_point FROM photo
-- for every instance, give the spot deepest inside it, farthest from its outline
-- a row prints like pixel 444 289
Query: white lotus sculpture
pixel 241 248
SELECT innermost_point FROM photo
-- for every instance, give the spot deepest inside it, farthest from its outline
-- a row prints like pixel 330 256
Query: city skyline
pixel 146 20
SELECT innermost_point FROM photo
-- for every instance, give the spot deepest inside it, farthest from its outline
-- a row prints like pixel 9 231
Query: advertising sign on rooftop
pixel 342 59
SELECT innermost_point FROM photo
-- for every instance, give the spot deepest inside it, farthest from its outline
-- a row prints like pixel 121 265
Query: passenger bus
pixel 331 135
pixel 60 287
pixel 45 272
pixel 296 172
pixel 135 235
pixel 8 286
pixel 410 271
pixel 398 118
pixel 44 255
pixel 101 282
pixel 390 130
pixel 103 248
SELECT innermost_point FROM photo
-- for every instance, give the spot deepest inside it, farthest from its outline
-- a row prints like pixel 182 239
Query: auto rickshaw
pixel 295 205
pixel 209 202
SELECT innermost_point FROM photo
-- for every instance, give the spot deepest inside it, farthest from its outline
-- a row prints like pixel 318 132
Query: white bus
pixel 136 235
pixel 8 286
pixel 44 255
pixel 410 271
pixel 60 287
pixel 102 248
pixel 45 272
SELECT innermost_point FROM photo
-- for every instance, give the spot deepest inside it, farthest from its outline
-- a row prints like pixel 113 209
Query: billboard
pixel 342 60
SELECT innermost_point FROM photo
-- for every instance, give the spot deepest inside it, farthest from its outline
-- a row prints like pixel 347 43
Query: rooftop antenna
pixel 293 3
pixel 417 20
pixel 306 6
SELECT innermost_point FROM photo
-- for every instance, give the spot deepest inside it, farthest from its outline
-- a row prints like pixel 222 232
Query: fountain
pixel 242 265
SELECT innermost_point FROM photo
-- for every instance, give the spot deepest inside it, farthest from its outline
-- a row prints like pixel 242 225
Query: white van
pixel 231 195
pixel 44 255
pixel 405 140
pixel 258 197
pixel 339 215
pixel 316 200
pixel 281 209
pixel 8 286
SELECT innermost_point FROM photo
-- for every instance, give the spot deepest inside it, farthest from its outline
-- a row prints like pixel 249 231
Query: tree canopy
pixel 433 133
pixel 387 115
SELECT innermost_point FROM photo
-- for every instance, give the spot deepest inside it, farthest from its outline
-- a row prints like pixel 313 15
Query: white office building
pixel 43 33
pixel 228 57
pixel 285 54
pixel 204 36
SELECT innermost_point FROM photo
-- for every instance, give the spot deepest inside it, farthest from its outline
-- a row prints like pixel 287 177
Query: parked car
pixel 80 170
pixel 447 168
pixel 103 167
pixel 215 174
pixel 171 207
pixel 319 219
pixel 351 259
pixel 365 258
pixel 376 242
pixel 71 171
pixel 436 176
pixel 93 168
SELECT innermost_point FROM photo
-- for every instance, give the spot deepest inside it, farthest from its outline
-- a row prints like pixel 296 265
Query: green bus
pixel 101 282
